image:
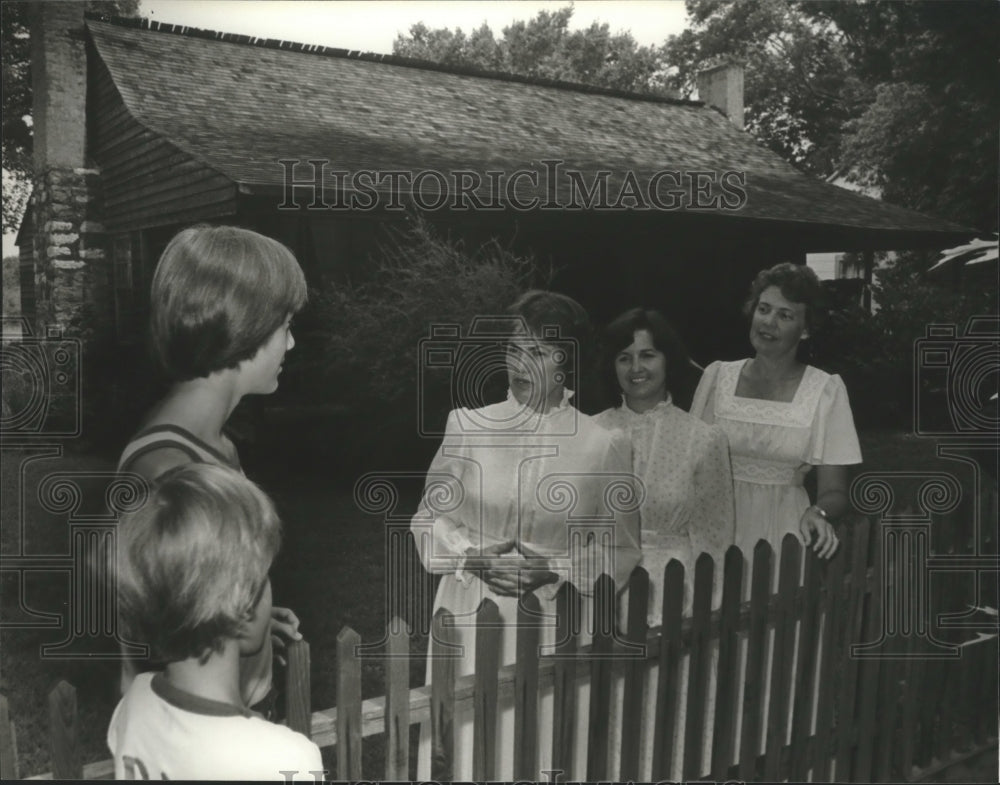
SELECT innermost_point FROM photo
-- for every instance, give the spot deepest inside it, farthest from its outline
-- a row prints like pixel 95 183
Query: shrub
pixel 364 351
pixel 874 352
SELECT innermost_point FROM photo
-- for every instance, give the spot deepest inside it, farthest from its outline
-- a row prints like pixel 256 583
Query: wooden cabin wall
pixel 146 180
pixel 696 269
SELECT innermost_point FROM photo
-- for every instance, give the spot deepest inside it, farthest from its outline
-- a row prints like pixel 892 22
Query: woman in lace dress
pixel 496 517
pixel 784 419
pixel 683 464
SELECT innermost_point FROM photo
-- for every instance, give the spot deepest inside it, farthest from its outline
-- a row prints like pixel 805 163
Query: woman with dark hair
pixel 682 461
pixel 222 303
pixel 783 418
pixel 683 464
pixel 501 493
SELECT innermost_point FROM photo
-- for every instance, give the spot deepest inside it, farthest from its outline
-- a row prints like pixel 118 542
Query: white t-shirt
pixel 161 732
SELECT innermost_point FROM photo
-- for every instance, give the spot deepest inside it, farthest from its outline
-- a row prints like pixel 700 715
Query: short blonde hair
pixel 218 294
pixel 192 561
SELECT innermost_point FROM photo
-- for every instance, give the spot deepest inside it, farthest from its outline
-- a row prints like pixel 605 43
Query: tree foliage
pixel 900 95
pixel 15 51
pixel 542 47
pixel 418 277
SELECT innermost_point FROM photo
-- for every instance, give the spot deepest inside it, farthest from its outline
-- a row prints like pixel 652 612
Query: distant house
pixel 851 271
pixel 142 128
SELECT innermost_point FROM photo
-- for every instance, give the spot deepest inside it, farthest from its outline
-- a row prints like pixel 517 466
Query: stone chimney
pixel 71 274
pixel 722 87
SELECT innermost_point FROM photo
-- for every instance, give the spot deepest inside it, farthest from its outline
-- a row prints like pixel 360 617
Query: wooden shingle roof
pixel 239 105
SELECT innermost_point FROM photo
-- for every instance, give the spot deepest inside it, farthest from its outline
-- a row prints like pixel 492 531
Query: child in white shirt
pixel 193 585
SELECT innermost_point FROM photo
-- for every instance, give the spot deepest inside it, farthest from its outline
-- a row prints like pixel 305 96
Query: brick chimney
pixel 71 273
pixel 722 87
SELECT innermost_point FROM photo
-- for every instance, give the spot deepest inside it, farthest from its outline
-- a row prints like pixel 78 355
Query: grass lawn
pixel 330 571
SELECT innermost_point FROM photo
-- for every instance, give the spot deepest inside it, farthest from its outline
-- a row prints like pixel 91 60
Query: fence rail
pixel 852 689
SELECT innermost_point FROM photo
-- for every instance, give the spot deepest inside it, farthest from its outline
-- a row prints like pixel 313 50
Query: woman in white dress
pixel 683 464
pixel 783 419
pixel 520 480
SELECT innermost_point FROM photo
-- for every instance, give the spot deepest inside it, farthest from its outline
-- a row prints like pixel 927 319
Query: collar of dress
pixel 555 411
pixel 663 406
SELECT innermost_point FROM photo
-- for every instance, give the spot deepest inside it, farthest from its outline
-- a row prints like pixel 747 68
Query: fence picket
pixel 564 677
pixel 756 648
pixel 348 706
pixel 805 685
pixel 729 661
pixel 8 743
pixel 298 704
pixel 442 696
pixel 987 725
pixel 698 667
pixel 635 671
pixel 933 686
pixel 909 709
pixel 599 732
pixel 888 711
pixel 670 660
pixel 846 728
pixel 397 702
pixel 831 648
pixel 946 711
pixel 871 671
pixel 887 716
pixel 529 613
pixel 63 729
pixel 784 652
pixel 484 737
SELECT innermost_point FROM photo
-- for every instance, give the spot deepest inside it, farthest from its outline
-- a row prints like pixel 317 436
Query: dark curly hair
pixel 798 284
pixel 621 333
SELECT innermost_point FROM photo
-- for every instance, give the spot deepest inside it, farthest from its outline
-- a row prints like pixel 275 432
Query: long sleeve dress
pixel 556 483
pixel 774 445
pixel 687 509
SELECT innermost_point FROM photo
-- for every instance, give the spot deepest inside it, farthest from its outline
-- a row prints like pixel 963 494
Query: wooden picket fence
pixel 926 700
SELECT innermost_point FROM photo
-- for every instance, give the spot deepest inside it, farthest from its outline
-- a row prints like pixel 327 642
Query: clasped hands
pixel 507 575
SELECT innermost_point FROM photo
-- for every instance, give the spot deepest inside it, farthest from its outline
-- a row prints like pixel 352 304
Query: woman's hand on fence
pixel 818 532
pixel 284 626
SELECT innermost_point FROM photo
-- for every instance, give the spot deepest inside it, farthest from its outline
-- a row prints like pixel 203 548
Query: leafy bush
pixel 364 351
pixel 875 352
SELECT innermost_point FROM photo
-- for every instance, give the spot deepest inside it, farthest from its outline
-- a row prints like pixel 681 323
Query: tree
pixel 16 56
pixel 543 47
pixel 901 95
pixel 799 85
pixel 929 136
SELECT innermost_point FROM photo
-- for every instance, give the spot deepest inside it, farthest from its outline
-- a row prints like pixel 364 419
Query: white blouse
pixel 683 464
pixel 775 444
pixel 556 483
